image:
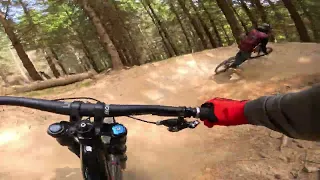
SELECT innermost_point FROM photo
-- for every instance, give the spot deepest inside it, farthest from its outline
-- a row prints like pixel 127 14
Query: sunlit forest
pixel 75 36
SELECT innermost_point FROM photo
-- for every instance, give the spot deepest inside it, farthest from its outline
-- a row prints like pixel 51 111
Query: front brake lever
pixel 193 124
pixel 175 125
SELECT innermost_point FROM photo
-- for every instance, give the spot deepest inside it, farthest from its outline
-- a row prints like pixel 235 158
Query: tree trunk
pixel 151 44
pixel 301 28
pixel 62 68
pixel 194 24
pixel 50 59
pixel 84 64
pixel 47 51
pixel 133 50
pixel 81 62
pixel 204 26
pixel 55 55
pixel 232 20
pixel 19 48
pixel 261 11
pixel 280 18
pixel 163 29
pixel 88 54
pixel 311 19
pixel 123 53
pixel 212 22
pixel 153 54
pixel 104 37
pixel 116 36
pixel 91 64
pixel 238 16
pixel 128 54
pixel 123 57
pixel 55 60
pixel 166 46
pixel 184 31
pixel 119 34
pixel 249 14
pixel 54 82
pixel 45 75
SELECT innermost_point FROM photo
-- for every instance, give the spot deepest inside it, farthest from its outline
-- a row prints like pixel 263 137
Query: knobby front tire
pixel 224 66
pixel 114 168
pixel 92 163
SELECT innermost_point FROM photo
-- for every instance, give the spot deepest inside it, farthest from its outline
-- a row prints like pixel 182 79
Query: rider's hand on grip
pixel 224 112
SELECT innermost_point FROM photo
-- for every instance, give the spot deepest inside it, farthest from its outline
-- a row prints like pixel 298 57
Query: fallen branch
pixel 53 82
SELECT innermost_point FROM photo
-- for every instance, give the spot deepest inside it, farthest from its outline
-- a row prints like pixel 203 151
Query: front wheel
pixel 92 163
pixel 225 65
pixel 114 167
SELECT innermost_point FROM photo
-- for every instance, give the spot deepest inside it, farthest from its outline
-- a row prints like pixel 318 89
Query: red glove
pixel 226 112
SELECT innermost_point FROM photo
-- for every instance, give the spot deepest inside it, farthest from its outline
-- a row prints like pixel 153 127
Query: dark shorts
pixel 240 58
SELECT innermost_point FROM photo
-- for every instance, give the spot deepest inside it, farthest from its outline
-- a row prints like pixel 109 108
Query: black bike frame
pixel 97 163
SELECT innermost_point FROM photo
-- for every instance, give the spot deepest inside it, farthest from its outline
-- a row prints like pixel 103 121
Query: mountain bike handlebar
pixel 101 144
pixel 101 109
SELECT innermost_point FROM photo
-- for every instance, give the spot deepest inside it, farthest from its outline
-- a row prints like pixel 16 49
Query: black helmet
pixel 265 27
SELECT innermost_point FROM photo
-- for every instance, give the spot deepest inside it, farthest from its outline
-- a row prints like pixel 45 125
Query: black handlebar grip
pixel 207 113
pixel 58 107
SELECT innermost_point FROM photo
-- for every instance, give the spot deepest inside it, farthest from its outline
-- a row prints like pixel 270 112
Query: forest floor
pixel 243 152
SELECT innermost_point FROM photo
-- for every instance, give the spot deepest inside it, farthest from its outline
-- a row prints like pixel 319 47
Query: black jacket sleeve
pixel 296 115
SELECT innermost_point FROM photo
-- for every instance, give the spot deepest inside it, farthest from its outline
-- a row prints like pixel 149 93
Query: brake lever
pixel 175 125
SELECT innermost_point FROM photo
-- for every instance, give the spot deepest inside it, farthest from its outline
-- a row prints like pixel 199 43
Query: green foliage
pixel 49 25
pixel 65 27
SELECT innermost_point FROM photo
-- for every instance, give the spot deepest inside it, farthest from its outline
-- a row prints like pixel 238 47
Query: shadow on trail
pixel 224 78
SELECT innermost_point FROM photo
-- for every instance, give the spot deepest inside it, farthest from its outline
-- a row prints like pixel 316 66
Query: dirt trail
pixel 246 152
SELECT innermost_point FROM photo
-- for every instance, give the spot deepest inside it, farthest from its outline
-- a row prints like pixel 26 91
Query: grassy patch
pixel 37 93
pixel 85 83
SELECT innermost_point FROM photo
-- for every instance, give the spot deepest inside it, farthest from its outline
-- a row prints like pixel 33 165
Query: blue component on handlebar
pixel 55 128
pixel 119 130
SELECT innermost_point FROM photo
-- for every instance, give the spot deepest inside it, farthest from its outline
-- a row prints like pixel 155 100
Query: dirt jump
pixel 243 152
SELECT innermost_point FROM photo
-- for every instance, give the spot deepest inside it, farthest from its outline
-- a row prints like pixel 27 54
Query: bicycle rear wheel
pixel 225 65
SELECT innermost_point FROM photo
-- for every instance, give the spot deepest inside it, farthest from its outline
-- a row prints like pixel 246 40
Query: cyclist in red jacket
pixel 258 36
pixel 296 115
